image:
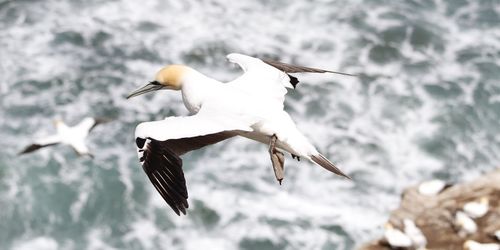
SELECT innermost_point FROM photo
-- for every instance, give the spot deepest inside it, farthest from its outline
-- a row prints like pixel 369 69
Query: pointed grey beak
pixel 150 87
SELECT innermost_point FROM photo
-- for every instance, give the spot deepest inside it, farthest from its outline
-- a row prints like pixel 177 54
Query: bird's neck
pixel 196 87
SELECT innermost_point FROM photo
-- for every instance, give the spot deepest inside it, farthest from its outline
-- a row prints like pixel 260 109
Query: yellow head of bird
pixel 469 244
pixel 57 122
pixel 484 200
pixel 388 226
pixel 169 77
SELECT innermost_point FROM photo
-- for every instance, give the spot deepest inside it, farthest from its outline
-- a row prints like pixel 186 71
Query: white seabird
pixel 73 136
pixel 432 187
pixel 464 224
pixel 249 106
pixel 474 245
pixel 417 237
pixel 477 209
pixel 395 238
pixel 496 234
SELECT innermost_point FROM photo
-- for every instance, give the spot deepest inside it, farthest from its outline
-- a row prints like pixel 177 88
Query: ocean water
pixel 426 105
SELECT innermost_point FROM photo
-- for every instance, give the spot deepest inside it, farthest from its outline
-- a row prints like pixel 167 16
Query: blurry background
pixel 427 105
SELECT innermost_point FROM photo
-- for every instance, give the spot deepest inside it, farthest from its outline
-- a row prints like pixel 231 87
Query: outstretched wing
pixel 290 68
pixel 161 143
pixel 89 123
pixel 162 164
pixel 261 79
pixel 164 169
pixel 268 77
pixel 43 142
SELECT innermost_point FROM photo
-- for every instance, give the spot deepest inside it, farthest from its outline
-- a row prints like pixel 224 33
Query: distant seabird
pixel 417 237
pixel 432 187
pixel 474 245
pixel 477 209
pixel 249 106
pixel 496 234
pixel 72 136
pixel 464 224
pixel 395 238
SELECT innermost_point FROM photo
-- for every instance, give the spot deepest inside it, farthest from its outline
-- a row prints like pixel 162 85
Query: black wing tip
pixel 290 68
pixel 326 164
pixel 101 120
pixel 164 169
pixel 293 80
pixel 24 151
pixel 179 207
pixel 180 211
pixel 342 73
pixel 183 208
pixel 30 149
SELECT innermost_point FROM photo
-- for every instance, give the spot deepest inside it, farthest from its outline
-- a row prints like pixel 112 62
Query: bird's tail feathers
pixel 328 165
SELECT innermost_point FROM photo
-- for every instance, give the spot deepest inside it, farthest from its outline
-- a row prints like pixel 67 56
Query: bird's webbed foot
pixel 277 159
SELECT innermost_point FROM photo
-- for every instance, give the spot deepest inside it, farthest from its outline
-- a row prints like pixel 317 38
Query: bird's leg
pixel 278 160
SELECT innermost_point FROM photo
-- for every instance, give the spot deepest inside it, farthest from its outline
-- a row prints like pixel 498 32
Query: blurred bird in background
pixel 73 136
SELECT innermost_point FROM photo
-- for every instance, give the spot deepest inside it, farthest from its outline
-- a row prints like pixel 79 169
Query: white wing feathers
pixel 80 147
pixel 188 126
pixel 86 124
pixel 260 78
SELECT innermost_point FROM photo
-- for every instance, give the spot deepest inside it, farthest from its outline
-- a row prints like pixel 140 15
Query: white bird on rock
pixel 395 238
pixel 464 224
pixel 477 209
pixel 417 237
pixel 496 235
pixel 250 106
pixel 474 245
pixel 432 187
pixel 73 136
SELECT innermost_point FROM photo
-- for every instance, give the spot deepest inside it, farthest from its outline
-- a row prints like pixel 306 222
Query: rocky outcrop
pixel 435 215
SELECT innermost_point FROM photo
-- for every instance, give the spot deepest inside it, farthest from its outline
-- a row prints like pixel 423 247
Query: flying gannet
pixel 250 106
pixel 72 136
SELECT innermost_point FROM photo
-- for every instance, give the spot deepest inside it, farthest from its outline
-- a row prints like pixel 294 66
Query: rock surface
pixel 434 215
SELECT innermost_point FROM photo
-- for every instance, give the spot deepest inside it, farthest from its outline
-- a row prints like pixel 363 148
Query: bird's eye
pixel 155 83
pixel 140 142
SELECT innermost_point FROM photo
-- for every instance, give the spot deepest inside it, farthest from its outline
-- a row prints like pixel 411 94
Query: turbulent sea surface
pixel 426 105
